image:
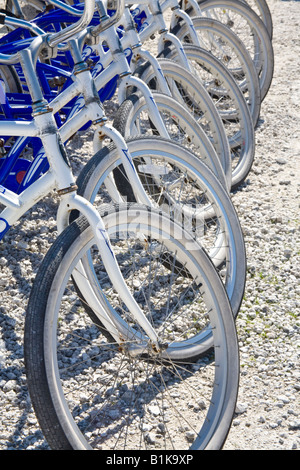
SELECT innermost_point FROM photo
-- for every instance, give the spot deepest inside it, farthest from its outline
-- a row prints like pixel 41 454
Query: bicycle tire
pixel 190 93
pixel 185 185
pixel 231 105
pixel 88 393
pixel 251 30
pixel 262 9
pixel 229 50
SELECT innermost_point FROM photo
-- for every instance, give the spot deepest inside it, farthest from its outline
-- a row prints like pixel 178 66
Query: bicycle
pixel 179 123
pixel 158 239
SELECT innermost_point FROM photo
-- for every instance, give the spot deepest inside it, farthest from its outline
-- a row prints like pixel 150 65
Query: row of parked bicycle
pixel 130 338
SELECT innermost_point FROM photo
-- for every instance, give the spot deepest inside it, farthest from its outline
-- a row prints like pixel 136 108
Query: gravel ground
pixel 268 410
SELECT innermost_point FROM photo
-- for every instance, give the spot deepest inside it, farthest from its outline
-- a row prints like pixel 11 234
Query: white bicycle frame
pixel 60 177
pixel 155 23
pixel 132 40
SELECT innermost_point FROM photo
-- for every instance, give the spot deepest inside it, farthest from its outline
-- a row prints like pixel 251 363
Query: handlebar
pixel 86 15
pixel 55 38
pixel 102 5
pixel 19 23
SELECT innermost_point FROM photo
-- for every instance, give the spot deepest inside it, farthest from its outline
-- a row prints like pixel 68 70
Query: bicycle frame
pixel 155 23
pixel 130 40
pixel 130 43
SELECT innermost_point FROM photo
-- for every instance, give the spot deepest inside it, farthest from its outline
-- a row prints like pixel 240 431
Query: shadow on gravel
pixel 260 121
pixel 14 390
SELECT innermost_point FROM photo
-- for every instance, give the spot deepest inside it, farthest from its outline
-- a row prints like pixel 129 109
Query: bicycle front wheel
pixel 244 22
pixel 231 106
pixel 225 45
pixel 133 119
pixel 89 392
pixel 191 94
pixel 262 9
pixel 179 183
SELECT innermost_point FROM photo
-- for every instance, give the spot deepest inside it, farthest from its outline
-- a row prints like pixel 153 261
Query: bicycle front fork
pixel 72 201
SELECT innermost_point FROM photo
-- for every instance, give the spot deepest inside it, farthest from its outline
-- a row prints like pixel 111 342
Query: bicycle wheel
pixel 262 9
pixel 191 94
pixel 133 119
pixel 179 183
pixel 89 393
pixel 231 106
pixel 249 89
pixel 247 25
pixel 220 41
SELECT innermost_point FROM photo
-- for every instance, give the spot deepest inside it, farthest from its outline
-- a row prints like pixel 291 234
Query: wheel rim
pixel 120 412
